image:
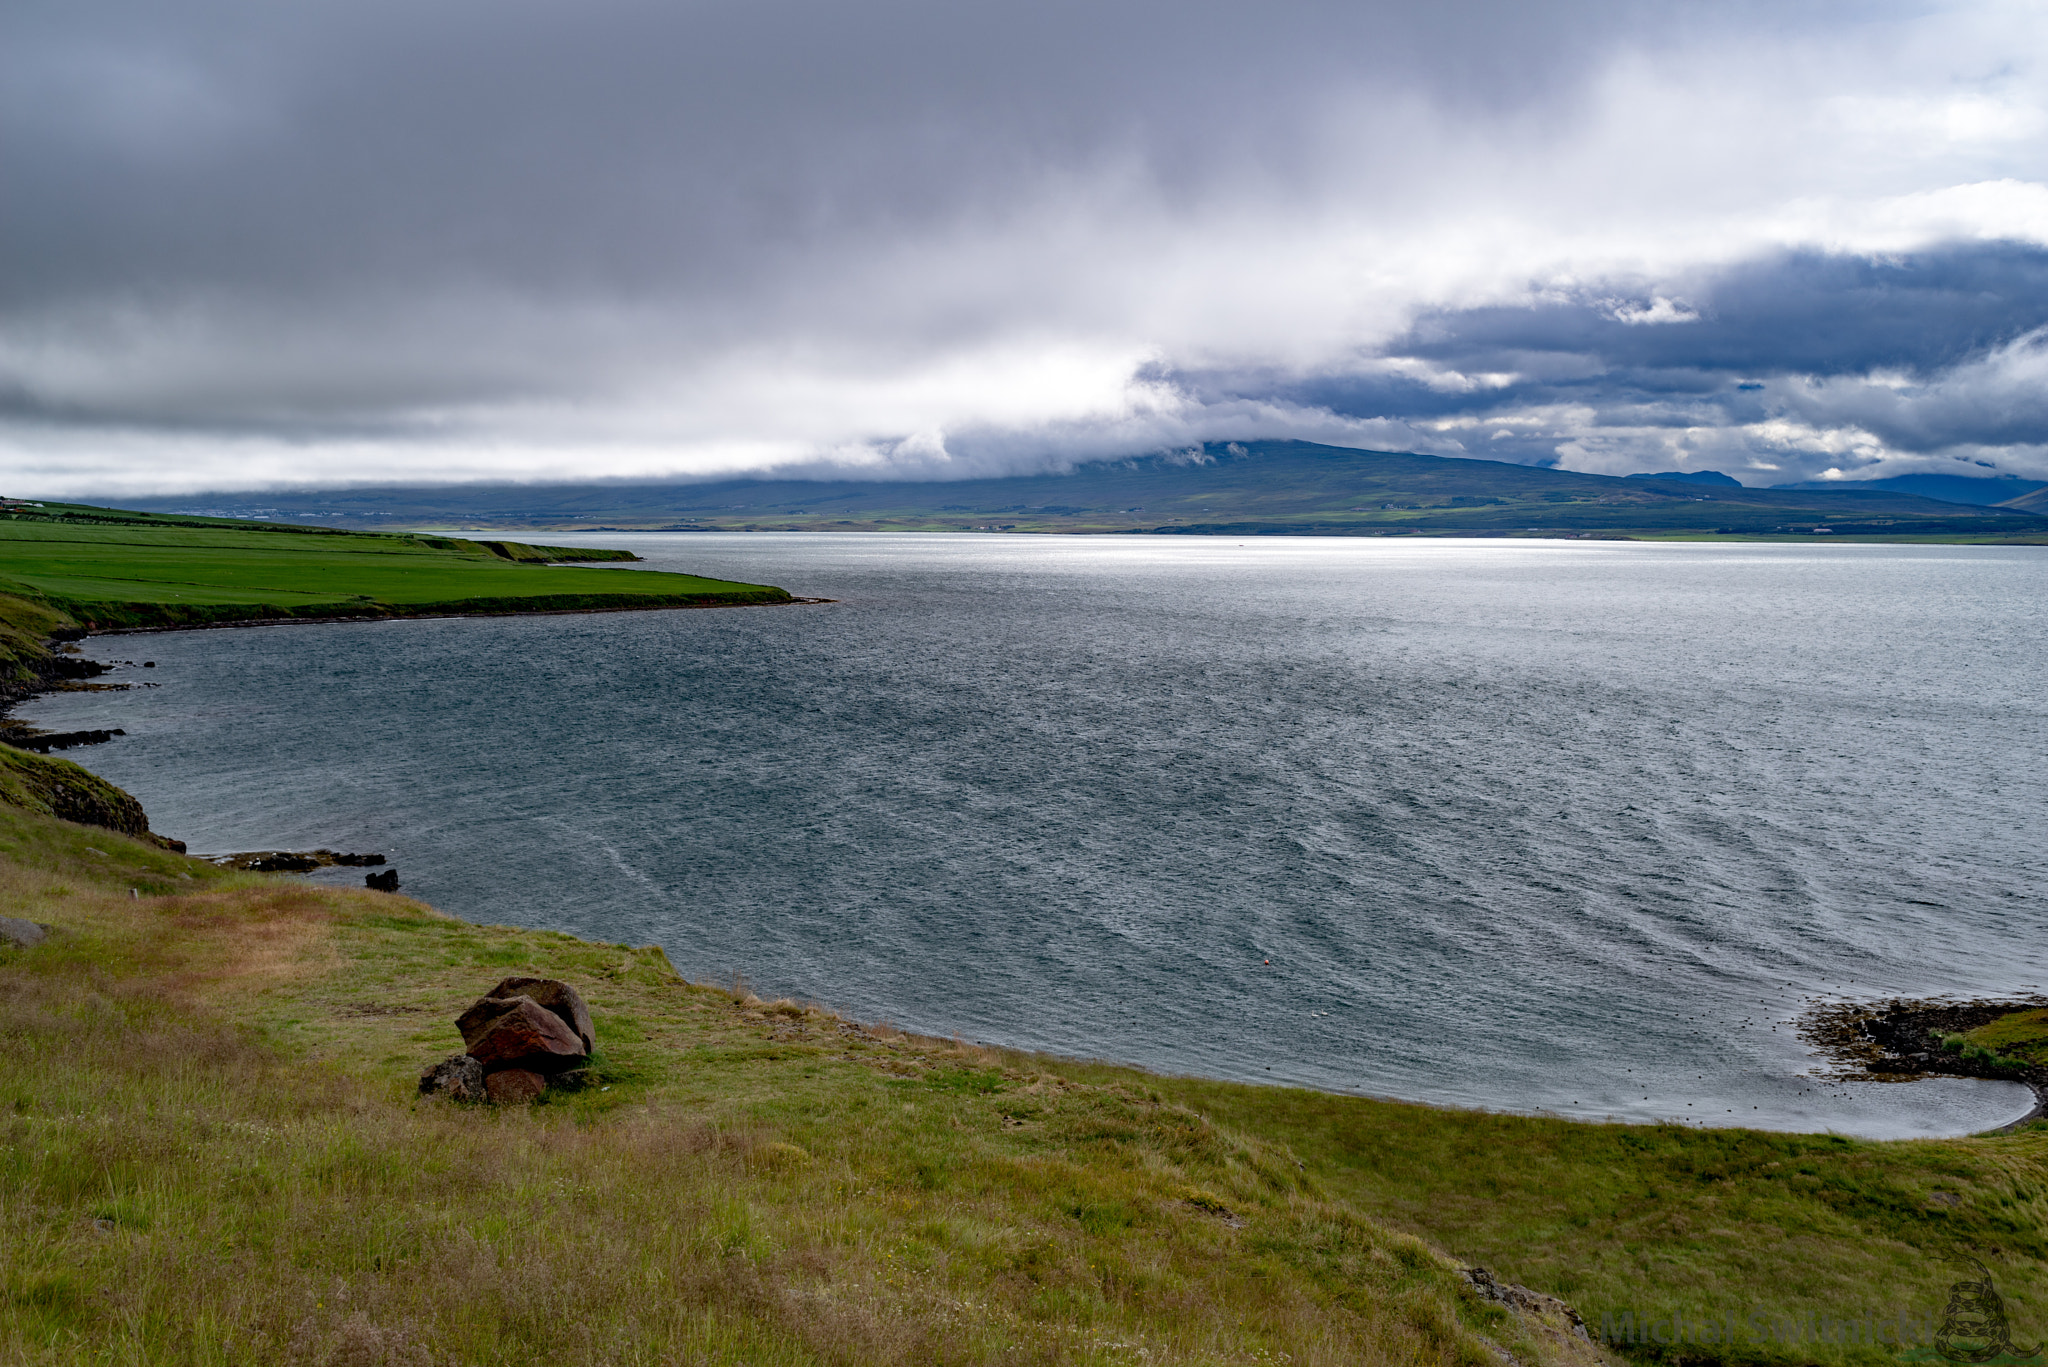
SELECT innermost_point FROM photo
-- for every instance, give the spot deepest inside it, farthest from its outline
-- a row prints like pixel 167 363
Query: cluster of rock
pixel 305 861
pixel 1900 1040
pixel 43 742
pixel 523 1035
pixel 294 861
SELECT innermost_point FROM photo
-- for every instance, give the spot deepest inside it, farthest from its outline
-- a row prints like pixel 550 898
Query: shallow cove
pixel 1527 825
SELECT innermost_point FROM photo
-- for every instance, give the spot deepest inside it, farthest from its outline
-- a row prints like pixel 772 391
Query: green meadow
pixel 113 568
pixel 211 1151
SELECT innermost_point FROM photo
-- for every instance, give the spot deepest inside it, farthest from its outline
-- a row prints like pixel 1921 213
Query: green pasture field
pixel 113 568
pixel 211 1152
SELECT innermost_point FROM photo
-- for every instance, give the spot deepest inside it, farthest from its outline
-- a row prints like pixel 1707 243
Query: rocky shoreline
pixel 439 614
pixel 1905 1040
pixel 61 668
pixel 55 664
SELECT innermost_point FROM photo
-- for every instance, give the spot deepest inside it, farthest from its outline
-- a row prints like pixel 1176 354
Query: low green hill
pixel 1254 488
pixel 108 567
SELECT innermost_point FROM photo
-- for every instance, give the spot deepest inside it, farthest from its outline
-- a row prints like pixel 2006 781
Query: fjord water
pixel 1524 825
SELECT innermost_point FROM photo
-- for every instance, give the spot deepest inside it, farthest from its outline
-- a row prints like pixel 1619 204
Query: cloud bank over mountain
pixel 252 244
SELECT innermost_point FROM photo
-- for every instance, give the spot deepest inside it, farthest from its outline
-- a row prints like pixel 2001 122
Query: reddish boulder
pixel 558 997
pixel 515 1086
pixel 518 1032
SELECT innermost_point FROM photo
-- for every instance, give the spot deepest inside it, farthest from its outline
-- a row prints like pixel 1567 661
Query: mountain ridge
pixel 1248 488
pixel 1983 491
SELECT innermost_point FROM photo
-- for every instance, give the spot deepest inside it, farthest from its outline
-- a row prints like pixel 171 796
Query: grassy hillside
pixel 107 567
pixel 211 1151
pixel 1249 489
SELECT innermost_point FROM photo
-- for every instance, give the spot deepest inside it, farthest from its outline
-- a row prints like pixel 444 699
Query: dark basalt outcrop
pixel 72 667
pixel 294 861
pixel 42 742
pixel 59 788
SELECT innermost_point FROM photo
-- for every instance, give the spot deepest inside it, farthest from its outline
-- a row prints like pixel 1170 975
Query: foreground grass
pixel 115 568
pixel 210 1151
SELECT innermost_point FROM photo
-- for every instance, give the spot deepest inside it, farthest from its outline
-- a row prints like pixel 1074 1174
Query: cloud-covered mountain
pixel 324 242
pixel 1237 489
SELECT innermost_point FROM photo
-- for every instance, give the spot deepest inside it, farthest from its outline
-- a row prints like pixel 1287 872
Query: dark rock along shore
pixel 1901 1041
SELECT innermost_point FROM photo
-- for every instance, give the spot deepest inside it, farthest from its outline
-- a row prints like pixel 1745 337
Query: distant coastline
pixel 69 571
pixel 1250 488
pixel 446 611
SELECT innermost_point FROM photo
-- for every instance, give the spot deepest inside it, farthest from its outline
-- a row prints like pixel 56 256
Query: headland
pixel 101 569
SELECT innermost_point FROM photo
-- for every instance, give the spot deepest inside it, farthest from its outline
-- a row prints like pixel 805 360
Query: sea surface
pixel 1526 825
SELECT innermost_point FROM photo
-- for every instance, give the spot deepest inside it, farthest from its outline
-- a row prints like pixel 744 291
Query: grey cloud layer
pixel 516 237
pixel 1932 352
pixel 624 145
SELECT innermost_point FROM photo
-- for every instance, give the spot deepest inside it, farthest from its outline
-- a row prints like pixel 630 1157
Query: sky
pixel 250 245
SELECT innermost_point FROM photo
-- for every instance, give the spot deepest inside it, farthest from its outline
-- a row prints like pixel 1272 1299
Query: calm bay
pixel 1578 827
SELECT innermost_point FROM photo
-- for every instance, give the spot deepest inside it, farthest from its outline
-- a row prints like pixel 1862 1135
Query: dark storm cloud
pixel 250 242
pixel 1796 313
pixel 625 145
